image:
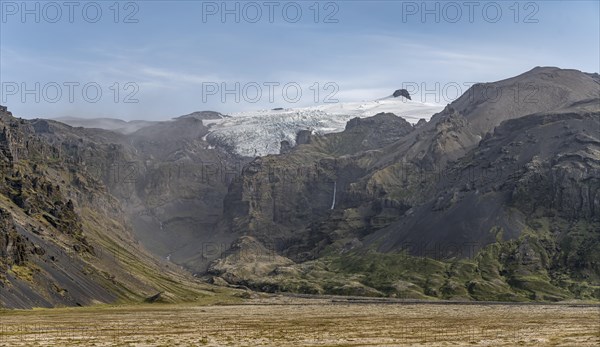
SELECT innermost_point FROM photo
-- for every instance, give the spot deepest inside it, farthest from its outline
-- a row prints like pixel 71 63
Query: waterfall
pixel 334 192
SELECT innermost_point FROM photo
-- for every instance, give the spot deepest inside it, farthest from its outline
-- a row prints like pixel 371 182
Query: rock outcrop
pixel 402 92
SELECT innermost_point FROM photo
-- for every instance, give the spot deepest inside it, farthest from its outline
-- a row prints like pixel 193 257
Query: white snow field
pixel 258 133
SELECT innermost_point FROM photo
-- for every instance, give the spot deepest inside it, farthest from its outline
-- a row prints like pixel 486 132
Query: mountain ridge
pixel 381 208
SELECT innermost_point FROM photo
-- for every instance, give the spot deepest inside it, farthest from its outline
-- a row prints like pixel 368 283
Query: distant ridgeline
pixel 490 199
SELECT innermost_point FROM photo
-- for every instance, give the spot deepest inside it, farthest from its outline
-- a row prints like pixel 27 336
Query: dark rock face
pixel 42 239
pixel 63 235
pixel 402 92
pixel 528 164
pixel 285 147
pixel 303 137
pixel 371 133
pixel 479 165
pixel 302 196
pixel 565 176
pixel 420 123
pixel 41 126
pixel 13 248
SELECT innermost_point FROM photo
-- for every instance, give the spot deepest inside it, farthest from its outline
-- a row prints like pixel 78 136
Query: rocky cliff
pixel 488 178
pixel 64 238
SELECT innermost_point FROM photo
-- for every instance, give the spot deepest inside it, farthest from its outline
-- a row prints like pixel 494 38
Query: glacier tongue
pixel 258 133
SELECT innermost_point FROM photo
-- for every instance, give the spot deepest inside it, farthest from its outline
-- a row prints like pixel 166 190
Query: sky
pixel 156 60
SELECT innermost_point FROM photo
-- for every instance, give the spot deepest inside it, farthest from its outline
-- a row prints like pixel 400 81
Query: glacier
pixel 259 133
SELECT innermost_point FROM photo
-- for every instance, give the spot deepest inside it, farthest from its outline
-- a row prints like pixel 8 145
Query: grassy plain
pixel 285 321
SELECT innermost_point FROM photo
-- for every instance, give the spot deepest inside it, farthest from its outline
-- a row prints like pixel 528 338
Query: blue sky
pixel 159 59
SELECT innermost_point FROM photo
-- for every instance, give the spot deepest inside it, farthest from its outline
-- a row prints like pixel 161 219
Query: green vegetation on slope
pixel 541 265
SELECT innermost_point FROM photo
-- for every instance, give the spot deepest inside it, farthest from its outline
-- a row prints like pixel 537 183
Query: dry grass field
pixel 303 322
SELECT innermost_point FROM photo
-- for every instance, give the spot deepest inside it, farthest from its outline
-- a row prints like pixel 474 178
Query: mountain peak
pixel 402 92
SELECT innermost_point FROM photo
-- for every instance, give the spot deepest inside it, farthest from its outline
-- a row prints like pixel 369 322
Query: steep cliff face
pixel 541 165
pixel 169 182
pixel 64 239
pixel 174 193
pixel 13 248
pixel 509 182
pixel 381 168
pixel 283 199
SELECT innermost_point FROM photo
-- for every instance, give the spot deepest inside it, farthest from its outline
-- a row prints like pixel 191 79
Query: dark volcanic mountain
pixel 66 235
pixel 540 165
pixel 380 183
pixel 497 197
pixel 487 170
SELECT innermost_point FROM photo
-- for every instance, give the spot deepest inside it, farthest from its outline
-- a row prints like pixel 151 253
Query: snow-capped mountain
pixel 258 133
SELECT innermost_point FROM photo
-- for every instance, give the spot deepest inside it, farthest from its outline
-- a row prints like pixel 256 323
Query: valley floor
pixel 285 321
